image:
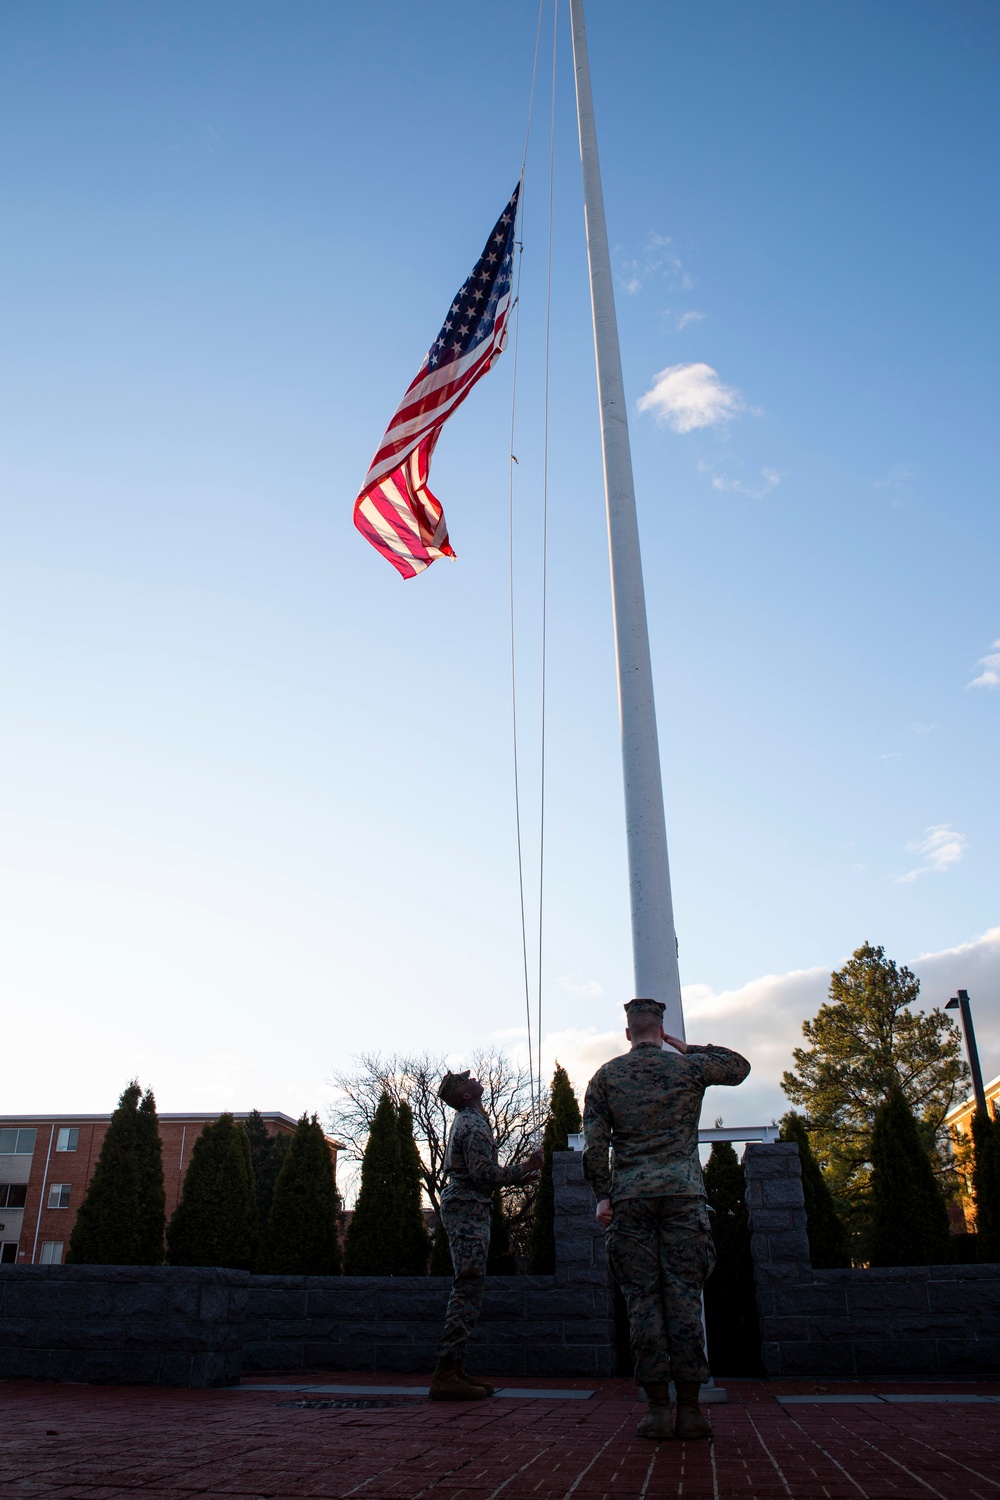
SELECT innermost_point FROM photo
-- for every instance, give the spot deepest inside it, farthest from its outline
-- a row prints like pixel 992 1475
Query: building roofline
pixel 968 1105
pixel 182 1119
pixel 208 1114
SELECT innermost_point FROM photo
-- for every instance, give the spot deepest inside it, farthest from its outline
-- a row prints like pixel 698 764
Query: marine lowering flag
pixel 395 510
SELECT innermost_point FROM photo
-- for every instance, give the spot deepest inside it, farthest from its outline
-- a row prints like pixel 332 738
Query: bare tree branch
pixel 415 1078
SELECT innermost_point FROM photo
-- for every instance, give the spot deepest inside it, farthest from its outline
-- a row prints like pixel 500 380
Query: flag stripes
pixel 395 509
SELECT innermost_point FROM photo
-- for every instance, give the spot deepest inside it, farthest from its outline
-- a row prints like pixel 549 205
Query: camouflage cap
pixel 449 1083
pixel 644 1008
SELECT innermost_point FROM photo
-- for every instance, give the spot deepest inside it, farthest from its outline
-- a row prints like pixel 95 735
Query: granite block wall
pixel 192 1327
pixel 123 1325
pixel 530 1325
pixel 875 1323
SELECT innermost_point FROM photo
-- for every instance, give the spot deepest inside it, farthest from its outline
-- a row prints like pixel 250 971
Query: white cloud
pixel 690 396
pixel 763 1020
pixel 919 728
pixel 725 485
pixel 658 257
pixel 940 848
pixel 578 986
pixel 892 755
pixel 689 317
pixel 896 477
pixel 990 675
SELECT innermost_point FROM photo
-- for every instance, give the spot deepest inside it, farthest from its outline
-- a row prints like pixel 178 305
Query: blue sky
pixel 257 811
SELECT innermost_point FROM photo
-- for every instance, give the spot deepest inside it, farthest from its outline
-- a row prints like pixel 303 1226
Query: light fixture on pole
pixel 960 1002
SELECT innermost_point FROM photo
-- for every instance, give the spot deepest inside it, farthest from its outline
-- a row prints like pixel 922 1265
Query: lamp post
pixel 960 1002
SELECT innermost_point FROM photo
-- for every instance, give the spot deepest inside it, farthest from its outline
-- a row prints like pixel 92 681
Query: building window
pixel 67 1138
pixel 51 1253
pixel 8 1252
pixel 17 1142
pixel 59 1195
pixel 13 1194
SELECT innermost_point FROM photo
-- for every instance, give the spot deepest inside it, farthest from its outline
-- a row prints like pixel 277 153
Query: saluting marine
pixel 471 1175
pixel 643 1108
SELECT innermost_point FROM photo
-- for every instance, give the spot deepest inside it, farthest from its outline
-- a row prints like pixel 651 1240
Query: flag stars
pixel 472 316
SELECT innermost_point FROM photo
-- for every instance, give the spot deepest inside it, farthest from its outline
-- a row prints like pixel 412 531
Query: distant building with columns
pixel 47 1161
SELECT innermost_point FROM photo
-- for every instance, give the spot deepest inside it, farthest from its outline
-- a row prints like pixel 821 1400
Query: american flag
pixel 395 510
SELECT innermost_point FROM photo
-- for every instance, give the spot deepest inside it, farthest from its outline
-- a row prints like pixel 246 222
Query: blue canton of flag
pixel 468 322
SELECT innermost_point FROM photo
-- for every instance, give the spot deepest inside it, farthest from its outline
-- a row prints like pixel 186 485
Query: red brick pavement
pixel 120 1443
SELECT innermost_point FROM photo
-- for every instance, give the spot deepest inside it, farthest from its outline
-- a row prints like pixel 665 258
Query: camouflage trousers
pixel 467 1225
pixel 661 1254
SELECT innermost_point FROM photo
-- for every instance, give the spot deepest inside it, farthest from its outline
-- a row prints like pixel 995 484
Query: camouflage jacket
pixel 644 1108
pixel 470 1160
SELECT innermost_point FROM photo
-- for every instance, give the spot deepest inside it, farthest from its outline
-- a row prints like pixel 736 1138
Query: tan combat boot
pixel 475 1379
pixel 450 1383
pixel 691 1420
pixel 656 1423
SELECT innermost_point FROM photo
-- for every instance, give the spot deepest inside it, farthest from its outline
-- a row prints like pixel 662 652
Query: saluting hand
pixel 675 1041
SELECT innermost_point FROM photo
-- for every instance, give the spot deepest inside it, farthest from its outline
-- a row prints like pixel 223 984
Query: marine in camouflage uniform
pixel 472 1173
pixel 640 1121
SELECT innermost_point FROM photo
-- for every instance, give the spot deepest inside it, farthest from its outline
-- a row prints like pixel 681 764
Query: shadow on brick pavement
pixel 111 1442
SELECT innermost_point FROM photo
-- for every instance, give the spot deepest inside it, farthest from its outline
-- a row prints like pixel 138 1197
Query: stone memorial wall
pixel 894 1322
pixel 173 1325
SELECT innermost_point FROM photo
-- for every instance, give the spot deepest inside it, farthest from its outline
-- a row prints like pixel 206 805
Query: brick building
pixel 46 1163
pixel 959 1120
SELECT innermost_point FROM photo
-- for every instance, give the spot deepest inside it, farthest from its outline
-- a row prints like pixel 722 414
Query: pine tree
pixel 215 1222
pixel 986 1184
pixel 909 1219
pixel 415 1242
pixel 869 1039
pixel 730 1291
pixel 301 1237
pixel 563 1120
pixel 120 1221
pixel 267 1157
pixel 829 1245
pixel 374 1244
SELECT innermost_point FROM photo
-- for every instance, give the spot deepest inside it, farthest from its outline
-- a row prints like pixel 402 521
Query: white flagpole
pixel 654 944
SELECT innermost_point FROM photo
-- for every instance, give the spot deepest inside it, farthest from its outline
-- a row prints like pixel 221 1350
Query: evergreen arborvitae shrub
pixel 986 1184
pixel 301 1237
pixel 909 1219
pixel 563 1120
pixel 121 1219
pixel 440 1254
pixel 829 1245
pixel 415 1242
pixel 374 1244
pixel 215 1222
pixel 151 1219
pixel 302 1232
pixel 501 1260
pixel 730 1291
pixel 267 1157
